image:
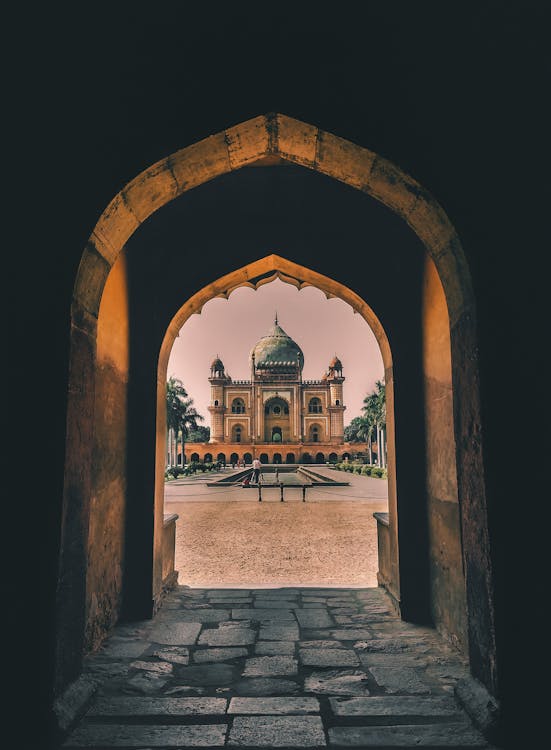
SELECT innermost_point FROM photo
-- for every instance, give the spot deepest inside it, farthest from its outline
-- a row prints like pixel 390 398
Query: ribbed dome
pixel 335 363
pixel 217 364
pixel 277 351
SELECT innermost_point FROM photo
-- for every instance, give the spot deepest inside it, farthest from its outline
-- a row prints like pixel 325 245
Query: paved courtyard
pixel 274 668
pixel 224 536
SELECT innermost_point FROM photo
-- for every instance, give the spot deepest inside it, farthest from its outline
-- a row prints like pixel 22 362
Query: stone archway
pixel 99 366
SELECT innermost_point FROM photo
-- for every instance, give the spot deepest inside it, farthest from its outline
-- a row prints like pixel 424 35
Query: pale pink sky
pixel 321 327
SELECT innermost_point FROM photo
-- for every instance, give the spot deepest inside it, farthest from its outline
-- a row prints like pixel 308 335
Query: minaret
pixel 336 407
pixel 218 379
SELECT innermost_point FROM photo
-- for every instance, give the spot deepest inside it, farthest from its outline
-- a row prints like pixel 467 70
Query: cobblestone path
pixel 275 668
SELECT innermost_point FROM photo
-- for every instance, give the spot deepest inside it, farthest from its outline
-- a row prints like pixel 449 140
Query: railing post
pixel 303 493
pixel 259 493
pixel 281 490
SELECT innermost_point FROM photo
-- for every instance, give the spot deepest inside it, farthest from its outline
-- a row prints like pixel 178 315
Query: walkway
pixel 267 668
pixel 225 535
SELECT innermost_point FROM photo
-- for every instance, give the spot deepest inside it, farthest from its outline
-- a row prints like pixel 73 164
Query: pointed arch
pixel 100 282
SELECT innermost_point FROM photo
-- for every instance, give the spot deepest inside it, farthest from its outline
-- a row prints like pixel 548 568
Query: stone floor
pixel 275 668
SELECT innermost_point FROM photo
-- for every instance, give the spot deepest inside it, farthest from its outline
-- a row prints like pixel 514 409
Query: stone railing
pixel 170 576
pixel 383 544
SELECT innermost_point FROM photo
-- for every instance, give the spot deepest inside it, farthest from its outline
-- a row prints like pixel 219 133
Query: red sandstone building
pixel 275 415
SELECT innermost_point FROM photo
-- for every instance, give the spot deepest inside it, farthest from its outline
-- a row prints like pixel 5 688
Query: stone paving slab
pixel 287 632
pixel 138 706
pixel 146 683
pixel 173 654
pixel 250 613
pixel 400 679
pixel 458 735
pixel 272 648
pixel 123 647
pixel 377 659
pixel 352 634
pixel 162 667
pixel 270 666
pixel 328 657
pixel 394 706
pixel 222 593
pixel 255 686
pixel 274 706
pixel 393 646
pixel 227 637
pixel 176 634
pixel 116 735
pixel 197 615
pixel 313 618
pixel 277 731
pixel 204 656
pixel 208 674
pixel 320 644
pixel 337 682
pixel 272 654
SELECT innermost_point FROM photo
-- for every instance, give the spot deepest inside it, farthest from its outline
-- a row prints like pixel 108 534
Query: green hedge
pixel 176 471
pixel 363 469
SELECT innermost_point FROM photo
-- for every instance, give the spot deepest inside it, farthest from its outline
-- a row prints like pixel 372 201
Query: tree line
pixel 372 424
pixel 181 421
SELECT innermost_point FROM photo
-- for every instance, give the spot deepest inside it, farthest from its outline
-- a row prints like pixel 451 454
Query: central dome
pixel 277 352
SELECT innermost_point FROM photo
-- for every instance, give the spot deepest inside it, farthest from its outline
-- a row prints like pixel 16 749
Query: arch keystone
pixel 251 140
pixel 297 141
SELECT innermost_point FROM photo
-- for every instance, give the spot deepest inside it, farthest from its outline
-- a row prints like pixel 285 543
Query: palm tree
pixel 181 415
pixel 375 414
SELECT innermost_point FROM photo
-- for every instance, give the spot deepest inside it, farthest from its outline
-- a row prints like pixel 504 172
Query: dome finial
pixel 276 317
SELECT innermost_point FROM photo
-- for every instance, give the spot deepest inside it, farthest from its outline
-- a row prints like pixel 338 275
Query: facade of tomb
pixel 276 415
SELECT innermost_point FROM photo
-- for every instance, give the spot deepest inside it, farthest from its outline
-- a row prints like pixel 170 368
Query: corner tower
pixel 335 406
pixel 218 379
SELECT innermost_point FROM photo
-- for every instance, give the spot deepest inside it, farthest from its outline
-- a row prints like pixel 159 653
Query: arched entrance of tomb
pixel 320 458
pixel 315 433
pixel 111 558
pixel 290 458
pixel 277 458
pixel 264 458
pixel 277 420
pixel 236 433
pixel 248 458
